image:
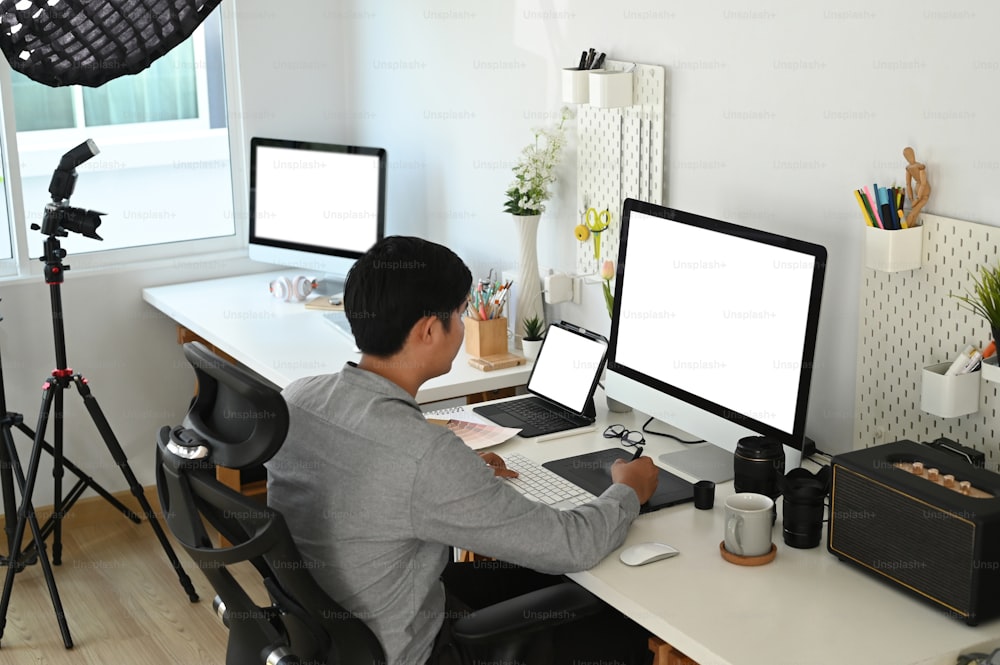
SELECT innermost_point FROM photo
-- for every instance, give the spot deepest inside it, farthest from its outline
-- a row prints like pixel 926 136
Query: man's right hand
pixel 641 475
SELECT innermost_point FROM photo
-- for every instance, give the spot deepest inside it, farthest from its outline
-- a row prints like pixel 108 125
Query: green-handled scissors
pixel 597 222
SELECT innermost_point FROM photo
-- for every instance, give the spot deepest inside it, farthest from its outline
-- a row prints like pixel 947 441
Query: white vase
pixel 528 286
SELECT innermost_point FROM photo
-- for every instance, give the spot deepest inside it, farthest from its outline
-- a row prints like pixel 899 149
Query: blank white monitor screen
pixel 311 203
pixel 719 319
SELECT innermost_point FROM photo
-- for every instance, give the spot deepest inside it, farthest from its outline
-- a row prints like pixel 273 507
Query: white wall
pixel 776 111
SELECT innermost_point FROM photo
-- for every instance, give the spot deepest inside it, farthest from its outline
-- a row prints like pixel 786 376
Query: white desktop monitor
pixel 315 206
pixel 714 327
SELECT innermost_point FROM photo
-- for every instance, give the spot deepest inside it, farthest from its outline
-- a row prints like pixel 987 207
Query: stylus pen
pixel 569 432
pixel 638 453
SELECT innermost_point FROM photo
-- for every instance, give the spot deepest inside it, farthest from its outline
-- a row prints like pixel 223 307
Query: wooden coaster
pixel 748 560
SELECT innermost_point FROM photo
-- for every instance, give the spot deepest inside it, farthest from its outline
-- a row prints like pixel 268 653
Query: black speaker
pixel 922 520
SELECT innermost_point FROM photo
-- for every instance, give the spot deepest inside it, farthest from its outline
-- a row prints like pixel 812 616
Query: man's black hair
pixel 396 283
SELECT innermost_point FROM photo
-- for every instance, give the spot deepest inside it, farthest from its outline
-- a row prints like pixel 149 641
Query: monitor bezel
pixel 307 147
pixel 796 436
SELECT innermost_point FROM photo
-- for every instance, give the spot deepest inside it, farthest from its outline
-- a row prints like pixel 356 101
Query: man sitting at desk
pixel 375 495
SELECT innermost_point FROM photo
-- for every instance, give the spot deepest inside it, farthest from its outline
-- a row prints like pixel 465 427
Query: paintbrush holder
pixel 485 338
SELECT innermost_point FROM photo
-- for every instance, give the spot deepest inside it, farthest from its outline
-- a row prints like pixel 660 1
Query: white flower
pixel 536 170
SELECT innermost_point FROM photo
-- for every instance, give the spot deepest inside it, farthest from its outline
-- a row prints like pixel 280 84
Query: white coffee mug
pixel 748 524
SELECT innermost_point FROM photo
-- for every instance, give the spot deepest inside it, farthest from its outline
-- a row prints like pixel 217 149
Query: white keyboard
pixel 537 483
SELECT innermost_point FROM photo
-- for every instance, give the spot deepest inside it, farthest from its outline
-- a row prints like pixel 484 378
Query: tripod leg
pixel 58 510
pixel 122 461
pixel 84 478
pixel 9 505
pixel 26 515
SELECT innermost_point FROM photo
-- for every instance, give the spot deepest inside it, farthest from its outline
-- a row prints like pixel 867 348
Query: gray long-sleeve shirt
pixel 375 495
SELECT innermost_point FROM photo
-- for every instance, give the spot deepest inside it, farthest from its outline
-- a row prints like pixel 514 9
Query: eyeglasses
pixel 629 437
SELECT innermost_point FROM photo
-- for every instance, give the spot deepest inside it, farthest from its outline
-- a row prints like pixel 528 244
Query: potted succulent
pixel 985 298
pixel 532 340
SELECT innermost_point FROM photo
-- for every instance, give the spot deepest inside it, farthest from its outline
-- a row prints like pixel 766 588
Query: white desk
pixel 804 608
pixel 285 341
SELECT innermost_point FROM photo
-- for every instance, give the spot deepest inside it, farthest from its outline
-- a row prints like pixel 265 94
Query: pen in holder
pixel 610 89
pixel 893 250
pixel 485 338
pixel 575 88
pixel 949 395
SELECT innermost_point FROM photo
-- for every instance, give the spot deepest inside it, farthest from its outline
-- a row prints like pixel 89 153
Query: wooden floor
pixel 122 600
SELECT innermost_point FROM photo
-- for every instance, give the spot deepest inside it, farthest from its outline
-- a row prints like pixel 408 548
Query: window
pixel 163 173
pixel 166 91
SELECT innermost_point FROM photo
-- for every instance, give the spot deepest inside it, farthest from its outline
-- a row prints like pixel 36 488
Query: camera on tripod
pixel 60 218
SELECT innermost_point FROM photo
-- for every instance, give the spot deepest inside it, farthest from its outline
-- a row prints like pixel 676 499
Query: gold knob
pixel 918 468
pixel 933 474
pixel 949 480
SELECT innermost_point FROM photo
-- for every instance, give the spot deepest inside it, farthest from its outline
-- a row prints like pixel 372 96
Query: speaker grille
pixel 903 538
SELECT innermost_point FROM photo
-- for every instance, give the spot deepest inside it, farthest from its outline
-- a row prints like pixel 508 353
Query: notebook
pixel 592 472
pixel 561 384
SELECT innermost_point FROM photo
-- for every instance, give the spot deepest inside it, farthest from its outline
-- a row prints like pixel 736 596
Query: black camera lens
pixel 758 466
pixel 84 222
pixel 802 522
pixel 803 497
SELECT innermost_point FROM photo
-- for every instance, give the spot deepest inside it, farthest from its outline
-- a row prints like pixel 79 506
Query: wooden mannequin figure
pixel 915 171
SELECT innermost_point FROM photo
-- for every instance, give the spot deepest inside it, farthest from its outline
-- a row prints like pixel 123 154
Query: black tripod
pixel 9 465
pixel 60 218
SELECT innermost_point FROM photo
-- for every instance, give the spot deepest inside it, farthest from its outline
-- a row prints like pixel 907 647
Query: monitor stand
pixel 330 285
pixel 703 461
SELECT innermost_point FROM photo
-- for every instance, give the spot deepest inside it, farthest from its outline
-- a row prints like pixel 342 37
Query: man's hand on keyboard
pixel 497 464
pixel 641 475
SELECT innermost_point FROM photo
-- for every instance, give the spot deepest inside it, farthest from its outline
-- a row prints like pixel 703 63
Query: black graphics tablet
pixel 592 472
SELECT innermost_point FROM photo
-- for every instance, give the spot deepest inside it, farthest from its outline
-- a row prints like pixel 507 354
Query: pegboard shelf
pixel 911 320
pixel 619 155
pixel 894 251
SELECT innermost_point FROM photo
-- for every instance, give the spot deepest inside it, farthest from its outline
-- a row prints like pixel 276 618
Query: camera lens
pixel 802 522
pixel 758 466
pixel 802 507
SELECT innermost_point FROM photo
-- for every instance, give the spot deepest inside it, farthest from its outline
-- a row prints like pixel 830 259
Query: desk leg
pixel 664 654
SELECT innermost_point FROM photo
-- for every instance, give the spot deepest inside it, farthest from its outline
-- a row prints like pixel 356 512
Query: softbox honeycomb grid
pixel 76 42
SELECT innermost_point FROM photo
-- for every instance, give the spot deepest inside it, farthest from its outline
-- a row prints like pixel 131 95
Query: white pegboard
pixel 910 320
pixel 620 155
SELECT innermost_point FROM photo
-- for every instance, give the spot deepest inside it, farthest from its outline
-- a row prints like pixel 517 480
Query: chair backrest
pixel 239 421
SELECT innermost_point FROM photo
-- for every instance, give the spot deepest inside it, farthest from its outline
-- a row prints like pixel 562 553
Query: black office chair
pixel 239 422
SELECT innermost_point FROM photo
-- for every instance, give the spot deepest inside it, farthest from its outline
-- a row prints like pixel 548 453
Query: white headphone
pixel 291 290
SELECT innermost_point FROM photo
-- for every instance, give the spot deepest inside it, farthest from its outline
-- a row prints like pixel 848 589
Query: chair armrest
pixel 537 611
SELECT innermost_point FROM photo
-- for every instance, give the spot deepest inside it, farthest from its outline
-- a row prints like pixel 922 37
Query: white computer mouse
pixel 643 553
